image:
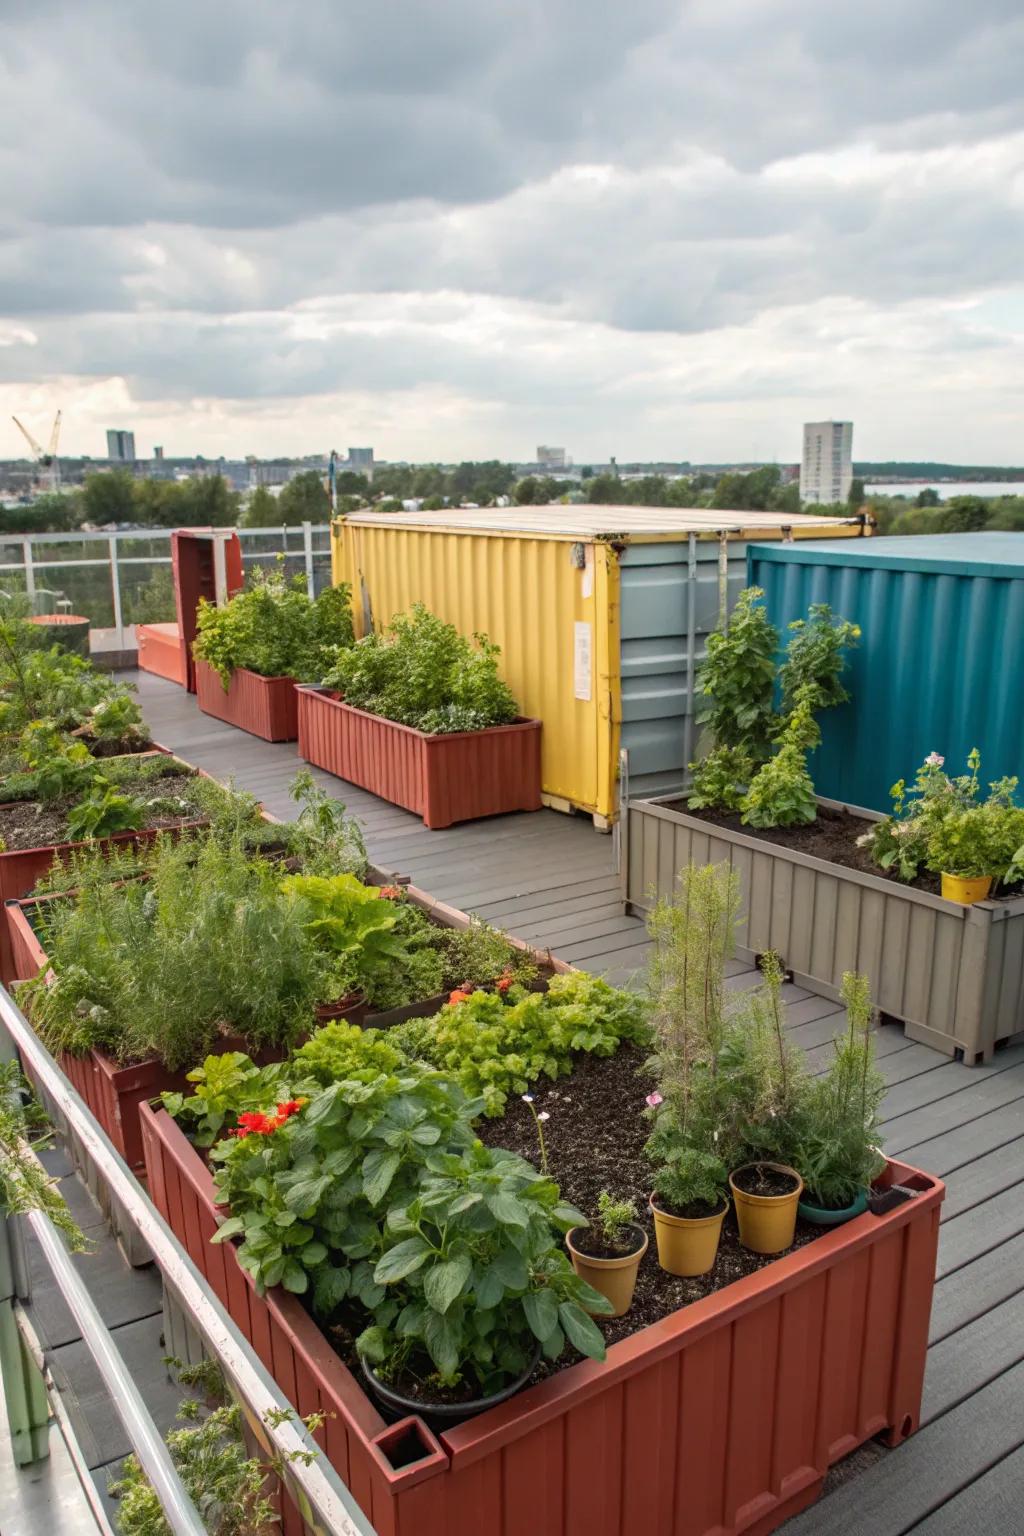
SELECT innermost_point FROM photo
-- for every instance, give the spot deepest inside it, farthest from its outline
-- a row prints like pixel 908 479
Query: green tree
pixel 208 500
pixel 856 497
pixel 929 497
pixel 303 500
pixel 962 514
pixel 108 497
pixel 524 492
pixel 261 511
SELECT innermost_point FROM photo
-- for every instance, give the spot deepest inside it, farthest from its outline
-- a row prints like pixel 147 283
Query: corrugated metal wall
pixel 938 668
pixel 530 596
pixel 670 596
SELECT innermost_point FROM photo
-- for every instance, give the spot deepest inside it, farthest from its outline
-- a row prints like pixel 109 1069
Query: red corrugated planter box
pixel 444 779
pixel 113 1093
pixel 21 868
pixel 264 706
pixel 719 1420
pixel 162 651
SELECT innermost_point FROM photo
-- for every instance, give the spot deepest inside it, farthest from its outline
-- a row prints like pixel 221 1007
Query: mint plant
pixel 422 672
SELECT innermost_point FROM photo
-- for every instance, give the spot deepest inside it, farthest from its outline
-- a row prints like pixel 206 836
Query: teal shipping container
pixel 940 667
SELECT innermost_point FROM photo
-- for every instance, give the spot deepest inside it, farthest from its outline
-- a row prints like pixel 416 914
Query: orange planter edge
pixel 743 1399
pixel 263 706
pixel 444 779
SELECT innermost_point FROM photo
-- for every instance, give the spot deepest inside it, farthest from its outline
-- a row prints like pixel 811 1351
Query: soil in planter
pixel 833 837
pixel 28 824
pixel 590 1242
pixel 759 1179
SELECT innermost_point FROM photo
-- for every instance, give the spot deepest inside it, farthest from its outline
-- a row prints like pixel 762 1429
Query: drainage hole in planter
pixel 404 1447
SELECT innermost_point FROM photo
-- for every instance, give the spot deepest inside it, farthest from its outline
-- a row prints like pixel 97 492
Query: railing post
pixel 28 1411
pixel 307 547
pixel 115 587
pixel 30 575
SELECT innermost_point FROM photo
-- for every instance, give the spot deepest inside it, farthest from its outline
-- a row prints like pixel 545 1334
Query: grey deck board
pixel 553 879
pixel 990 1506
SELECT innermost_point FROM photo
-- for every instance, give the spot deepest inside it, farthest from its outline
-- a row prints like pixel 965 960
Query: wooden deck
pixel 552 879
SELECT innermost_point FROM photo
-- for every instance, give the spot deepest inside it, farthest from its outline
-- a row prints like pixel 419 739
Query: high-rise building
pixel 120 445
pixel 551 458
pixel 826 470
pixel 360 458
pixel 158 452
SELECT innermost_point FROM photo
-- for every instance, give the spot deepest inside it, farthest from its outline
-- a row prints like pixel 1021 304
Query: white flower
pixel 934 760
pixel 527 1098
pixel 543 1115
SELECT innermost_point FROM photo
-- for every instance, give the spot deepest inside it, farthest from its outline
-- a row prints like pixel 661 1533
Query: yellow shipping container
pixel 601 614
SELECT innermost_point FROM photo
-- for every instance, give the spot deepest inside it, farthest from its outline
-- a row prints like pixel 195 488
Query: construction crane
pixel 46 458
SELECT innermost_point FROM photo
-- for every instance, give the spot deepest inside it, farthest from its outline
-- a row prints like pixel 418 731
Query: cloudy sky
pixel 459 228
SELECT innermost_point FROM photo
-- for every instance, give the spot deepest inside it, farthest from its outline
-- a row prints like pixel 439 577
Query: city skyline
pixel 663 232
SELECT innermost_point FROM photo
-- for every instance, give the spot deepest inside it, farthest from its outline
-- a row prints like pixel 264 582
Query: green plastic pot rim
pixel 825 1216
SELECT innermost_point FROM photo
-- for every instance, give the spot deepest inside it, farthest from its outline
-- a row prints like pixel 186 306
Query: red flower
pixel 391 892
pixel 292 1107
pixel 255 1123
pixel 460 995
pixel 504 981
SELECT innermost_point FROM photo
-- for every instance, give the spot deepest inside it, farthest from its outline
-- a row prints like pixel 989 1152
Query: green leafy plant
pixel 103 812
pixel 615 1218
pixel 836 1142
pixel 227 1486
pixel 737 678
pixel 689 1181
pixel 309 1193
pixel 815 660
pixel 324 837
pixel 205 946
pixel 24 1183
pixel 273 629
pixel 495 1048
pixel 940 823
pixel 422 672
pixel 338 1051
pixel 346 920
pixel 721 779
pixel 479 954
pixel 51 766
pixel 781 793
pixel 116 722
pixel 228 1085
pixel 476 1276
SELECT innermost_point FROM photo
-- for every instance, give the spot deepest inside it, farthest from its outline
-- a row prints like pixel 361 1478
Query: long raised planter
pixel 263 706
pixel 952 975
pixel 444 779
pixel 719 1420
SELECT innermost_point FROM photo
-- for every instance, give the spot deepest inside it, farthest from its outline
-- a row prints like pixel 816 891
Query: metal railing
pixel 316 1485
pixel 100 575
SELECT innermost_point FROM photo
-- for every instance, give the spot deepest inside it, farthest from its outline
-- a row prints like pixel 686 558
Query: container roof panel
pixel 963 554
pixel 595 522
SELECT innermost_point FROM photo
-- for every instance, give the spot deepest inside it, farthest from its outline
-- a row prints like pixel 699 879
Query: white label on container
pixel 582 661
pixel 587 583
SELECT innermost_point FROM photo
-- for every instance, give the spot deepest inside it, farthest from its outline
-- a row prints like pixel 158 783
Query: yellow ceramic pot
pixel 766 1222
pixel 958 888
pixel 687 1245
pixel 614 1278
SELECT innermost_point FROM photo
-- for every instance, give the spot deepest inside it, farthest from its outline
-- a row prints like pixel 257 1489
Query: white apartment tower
pixel 826 470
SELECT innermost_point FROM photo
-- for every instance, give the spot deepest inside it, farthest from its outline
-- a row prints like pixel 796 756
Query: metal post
pixel 115 587
pixel 307 546
pixel 30 575
pixel 28 1410
pixel 691 657
pixel 723 580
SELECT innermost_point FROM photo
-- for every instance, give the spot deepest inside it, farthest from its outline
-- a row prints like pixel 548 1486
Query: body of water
pixel 948 488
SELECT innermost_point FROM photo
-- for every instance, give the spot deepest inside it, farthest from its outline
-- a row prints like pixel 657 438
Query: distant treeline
pixel 929 470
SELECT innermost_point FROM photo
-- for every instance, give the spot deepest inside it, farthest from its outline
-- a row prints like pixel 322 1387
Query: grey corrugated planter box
pixel 953 975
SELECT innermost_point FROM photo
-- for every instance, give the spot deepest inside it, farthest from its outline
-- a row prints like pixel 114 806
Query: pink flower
pixel 934 760
pixel 654 1099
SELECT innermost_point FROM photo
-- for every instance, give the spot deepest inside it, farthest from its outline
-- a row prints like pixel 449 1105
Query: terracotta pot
pixel 767 1222
pixel 614 1278
pixel 825 1216
pixel 687 1245
pixel 352 1007
pixel 966 891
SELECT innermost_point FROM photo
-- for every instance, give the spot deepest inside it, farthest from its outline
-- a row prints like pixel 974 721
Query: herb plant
pixel 781 793
pixel 103 812
pixel 24 1183
pixel 738 676
pixel 476 1277
pixel 615 1218
pixel 323 836
pixel 272 628
pixel 721 779
pixel 225 1086
pixel 837 1134
pixel 422 672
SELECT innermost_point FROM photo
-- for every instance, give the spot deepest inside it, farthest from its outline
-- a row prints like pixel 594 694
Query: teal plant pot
pixel 826 1218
